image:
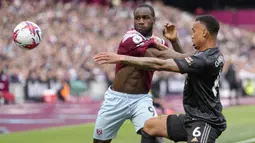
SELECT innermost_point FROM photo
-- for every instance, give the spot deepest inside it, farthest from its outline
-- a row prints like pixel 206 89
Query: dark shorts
pixel 193 132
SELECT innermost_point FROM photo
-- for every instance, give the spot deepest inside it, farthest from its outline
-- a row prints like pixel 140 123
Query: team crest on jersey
pixel 137 39
pixel 99 132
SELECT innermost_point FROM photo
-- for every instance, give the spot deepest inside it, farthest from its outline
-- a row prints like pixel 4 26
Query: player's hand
pixel 170 32
pixel 107 58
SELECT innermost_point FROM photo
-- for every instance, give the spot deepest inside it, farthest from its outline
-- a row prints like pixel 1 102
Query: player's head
pixel 144 18
pixel 205 27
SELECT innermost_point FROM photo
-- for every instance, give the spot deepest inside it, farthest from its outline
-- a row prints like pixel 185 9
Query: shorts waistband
pixel 116 93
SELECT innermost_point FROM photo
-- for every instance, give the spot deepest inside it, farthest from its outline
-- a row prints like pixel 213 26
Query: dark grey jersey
pixel 201 91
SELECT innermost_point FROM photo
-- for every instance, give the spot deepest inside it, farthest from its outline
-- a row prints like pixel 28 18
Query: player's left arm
pixel 147 63
pixel 192 64
pixel 154 64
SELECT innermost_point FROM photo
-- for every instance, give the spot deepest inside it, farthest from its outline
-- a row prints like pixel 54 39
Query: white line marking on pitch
pixel 252 140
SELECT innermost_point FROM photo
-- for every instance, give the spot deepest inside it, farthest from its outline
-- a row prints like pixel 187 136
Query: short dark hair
pixel 148 6
pixel 211 23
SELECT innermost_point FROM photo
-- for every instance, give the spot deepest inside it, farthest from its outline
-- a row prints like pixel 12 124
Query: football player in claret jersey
pixel 203 121
pixel 127 98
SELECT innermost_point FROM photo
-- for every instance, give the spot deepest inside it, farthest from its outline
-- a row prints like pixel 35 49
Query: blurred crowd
pixel 74 31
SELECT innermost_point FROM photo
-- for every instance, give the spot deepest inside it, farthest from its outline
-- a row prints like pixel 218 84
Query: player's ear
pixel 205 33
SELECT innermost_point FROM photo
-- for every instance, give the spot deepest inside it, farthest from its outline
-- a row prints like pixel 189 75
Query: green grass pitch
pixel 240 120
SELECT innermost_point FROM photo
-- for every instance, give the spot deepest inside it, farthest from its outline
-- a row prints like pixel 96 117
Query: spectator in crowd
pixel 5 95
pixel 234 84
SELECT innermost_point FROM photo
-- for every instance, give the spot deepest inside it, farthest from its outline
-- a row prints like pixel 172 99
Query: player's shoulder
pixel 161 40
pixel 210 54
pixel 213 56
pixel 132 36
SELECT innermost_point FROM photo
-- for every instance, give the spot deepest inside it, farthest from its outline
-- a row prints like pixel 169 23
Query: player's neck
pixel 148 35
pixel 209 44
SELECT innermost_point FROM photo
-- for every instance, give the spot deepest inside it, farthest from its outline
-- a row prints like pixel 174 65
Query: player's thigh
pixel 176 130
pixel 141 111
pixel 110 117
pixel 201 132
pixel 156 126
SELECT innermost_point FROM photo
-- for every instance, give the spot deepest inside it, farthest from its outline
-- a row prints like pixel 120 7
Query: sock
pixel 146 138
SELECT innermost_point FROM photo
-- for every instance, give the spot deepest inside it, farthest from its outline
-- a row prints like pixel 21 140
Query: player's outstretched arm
pixel 146 63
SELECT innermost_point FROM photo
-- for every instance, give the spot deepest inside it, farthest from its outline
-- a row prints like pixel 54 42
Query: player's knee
pixel 149 127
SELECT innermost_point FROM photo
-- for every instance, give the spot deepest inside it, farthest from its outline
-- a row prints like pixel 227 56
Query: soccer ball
pixel 27 35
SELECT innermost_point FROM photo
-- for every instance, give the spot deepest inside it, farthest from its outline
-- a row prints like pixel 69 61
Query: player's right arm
pixel 170 33
pixel 162 51
pixel 166 54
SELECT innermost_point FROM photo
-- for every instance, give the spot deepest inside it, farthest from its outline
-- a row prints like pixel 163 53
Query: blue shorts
pixel 117 108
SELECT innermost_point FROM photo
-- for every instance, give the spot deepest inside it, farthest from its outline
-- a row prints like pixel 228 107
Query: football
pixel 27 35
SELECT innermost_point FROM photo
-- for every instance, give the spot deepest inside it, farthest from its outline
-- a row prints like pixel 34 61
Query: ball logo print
pixel 27 35
pixel 30 27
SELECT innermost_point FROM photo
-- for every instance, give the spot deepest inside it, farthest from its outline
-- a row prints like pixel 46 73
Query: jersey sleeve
pixel 162 41
pixel 134 45
pixel 193 64
pixel 165 44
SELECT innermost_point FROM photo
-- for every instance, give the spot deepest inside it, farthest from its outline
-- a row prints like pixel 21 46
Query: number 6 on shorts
pixel 196 132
